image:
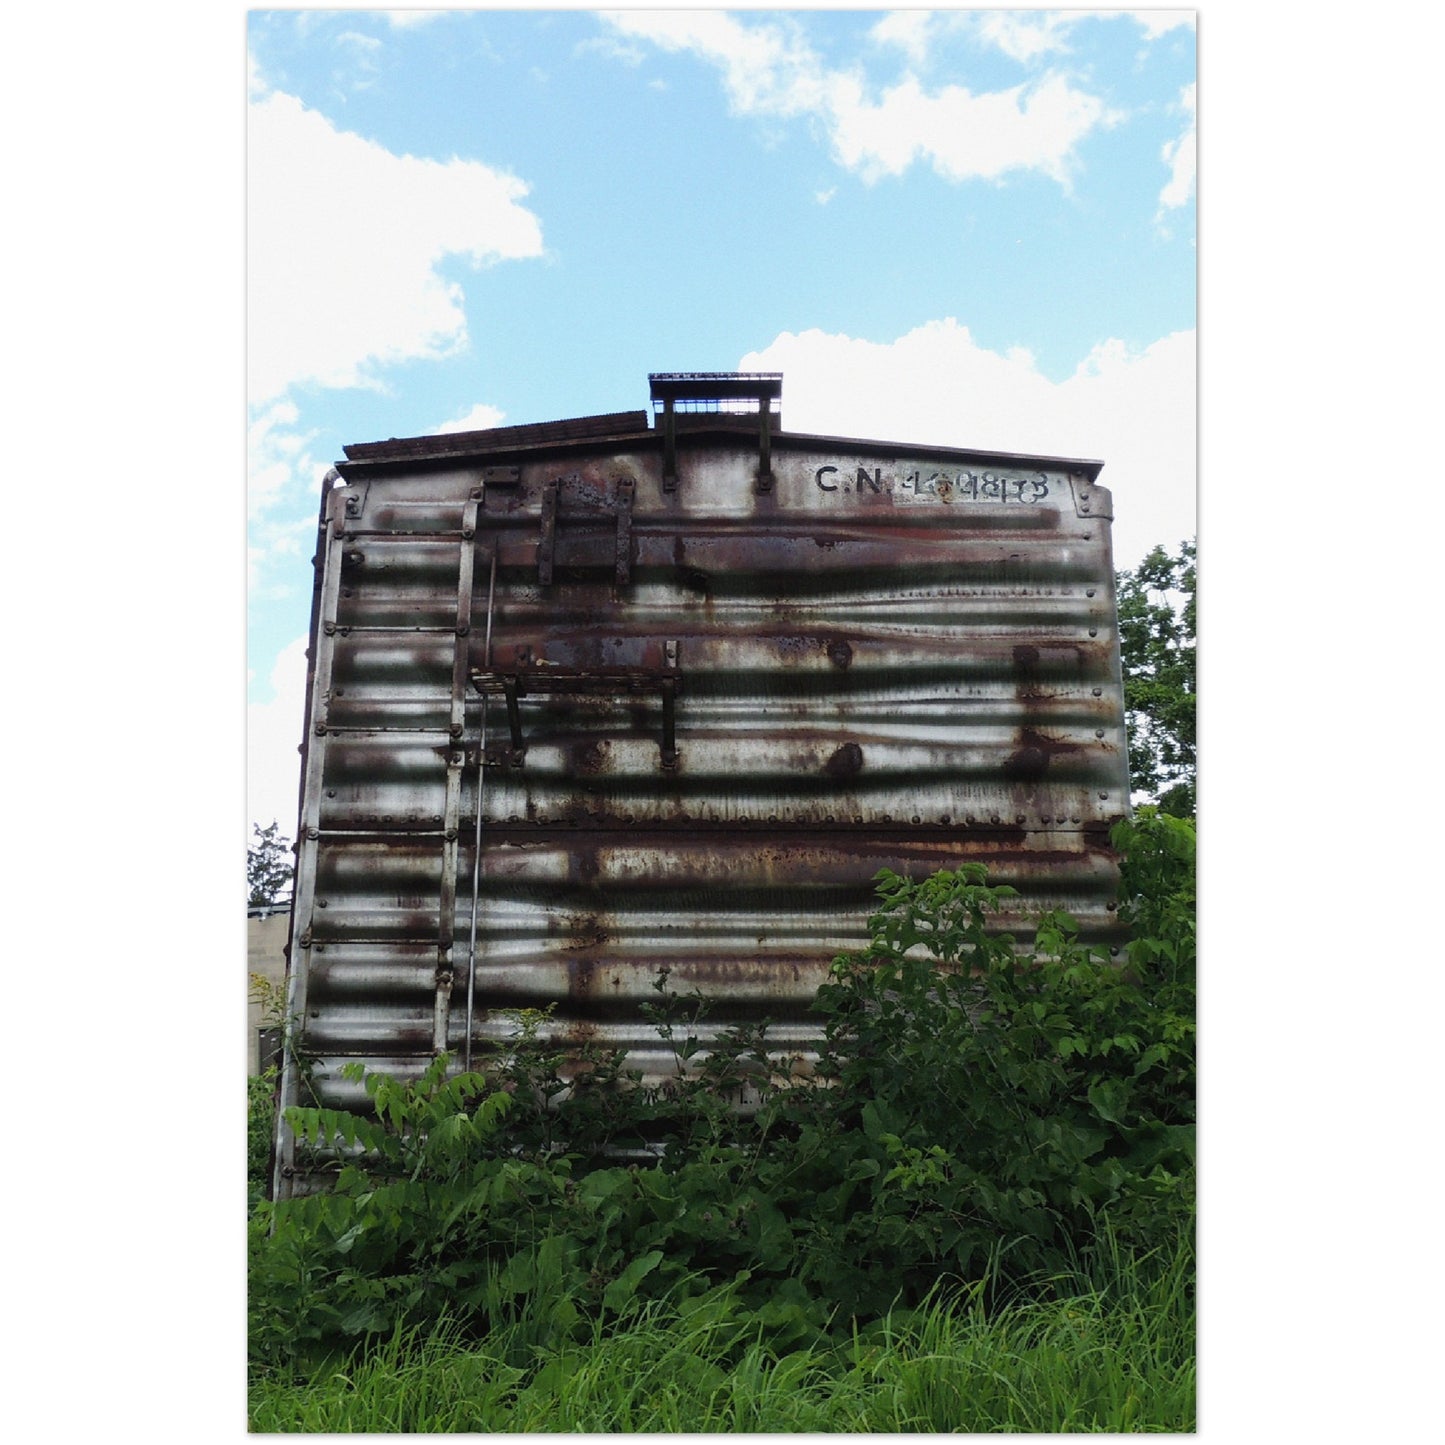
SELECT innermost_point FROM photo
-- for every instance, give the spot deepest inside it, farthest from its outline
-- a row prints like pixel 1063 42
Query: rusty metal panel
pixel 578 717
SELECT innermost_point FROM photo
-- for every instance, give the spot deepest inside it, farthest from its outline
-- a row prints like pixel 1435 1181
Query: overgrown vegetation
pixel 1156 643
pixel 997 1153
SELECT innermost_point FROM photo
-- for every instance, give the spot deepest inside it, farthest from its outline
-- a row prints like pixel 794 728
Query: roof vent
pixel 735 393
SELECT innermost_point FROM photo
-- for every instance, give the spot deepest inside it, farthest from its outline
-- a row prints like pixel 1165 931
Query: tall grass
pixel 1107 1348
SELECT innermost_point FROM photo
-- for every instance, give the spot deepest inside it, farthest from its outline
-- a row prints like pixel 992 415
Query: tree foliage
pixel 1156 642
pixel 268 866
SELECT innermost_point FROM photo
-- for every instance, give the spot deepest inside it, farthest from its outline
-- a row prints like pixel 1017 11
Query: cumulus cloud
pixel 283 478
pixel 1022 35
pixel 910 30
pixel 1179 156
pixel 769 70
pixel 1132 409
pixel 344 240
pixel 963 135
pixel 1025 35
pixel 1159 22
pixel 480 418
pixel 273 734
pixel 406 19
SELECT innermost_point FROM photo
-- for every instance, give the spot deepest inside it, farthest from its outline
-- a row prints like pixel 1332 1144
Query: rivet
pixel 462 629
pixel 1098 732
pixel 916 818
pixel 321 903
pixel 1089 592
pixel 1111 906
pixel 945 818
pixel 968 818
pixel 1093 632
pixel 1098 692
pixel 1019 818
pixel 1103 797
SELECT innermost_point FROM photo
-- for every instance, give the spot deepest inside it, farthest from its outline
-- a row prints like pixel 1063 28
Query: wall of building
pixel 265 956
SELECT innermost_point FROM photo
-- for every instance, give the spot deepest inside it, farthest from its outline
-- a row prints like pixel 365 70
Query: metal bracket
pixel 546 548
pixel 1090 499
pixel 535 678
pixel 547 541
pixel 669 445
pixel 626 490
pixel 713 389
pixel 355 494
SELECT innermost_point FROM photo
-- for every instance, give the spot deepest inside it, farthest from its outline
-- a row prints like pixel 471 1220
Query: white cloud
pixel 1179 156
pixel 1028 127
pixel 1022 35
pixel 480 418
pixel 909 30
pixel 1025 35
pixel 1159 22
pixel 406 19
pixel 344 239
pixel 282 486
pixel 1134 410
pixel 273 734
pixel 769 70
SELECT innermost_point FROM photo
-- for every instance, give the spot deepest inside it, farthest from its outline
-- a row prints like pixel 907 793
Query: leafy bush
pixel 989 1100
pixel 260 1116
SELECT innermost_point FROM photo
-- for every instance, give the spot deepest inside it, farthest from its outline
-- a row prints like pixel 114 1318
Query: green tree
pixel 268 866
pixel 1156 641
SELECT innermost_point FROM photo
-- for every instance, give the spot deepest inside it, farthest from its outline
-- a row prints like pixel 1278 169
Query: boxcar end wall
pixel 597 698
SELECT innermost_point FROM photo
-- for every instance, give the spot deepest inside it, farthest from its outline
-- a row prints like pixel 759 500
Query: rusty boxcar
pixel 597 697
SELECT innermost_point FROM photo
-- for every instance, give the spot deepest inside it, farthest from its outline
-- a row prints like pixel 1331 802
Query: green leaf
pixel 1108 1097
pixel 620 1292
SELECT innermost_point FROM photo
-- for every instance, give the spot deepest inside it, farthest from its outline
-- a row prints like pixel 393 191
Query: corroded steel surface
pixel 698 712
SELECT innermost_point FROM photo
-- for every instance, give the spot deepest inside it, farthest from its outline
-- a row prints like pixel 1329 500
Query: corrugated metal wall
pixel 715 705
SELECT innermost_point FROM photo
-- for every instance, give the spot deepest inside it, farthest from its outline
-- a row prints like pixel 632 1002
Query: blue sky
pixel 966 227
